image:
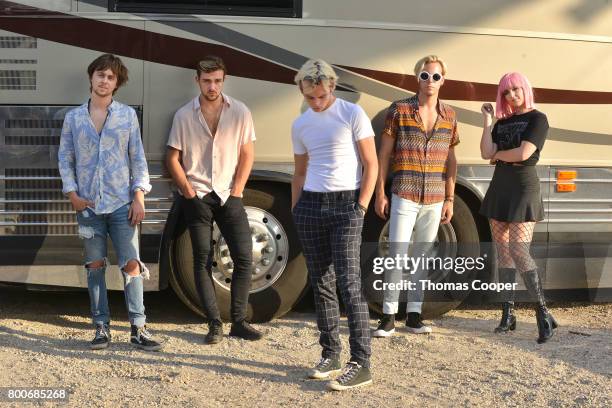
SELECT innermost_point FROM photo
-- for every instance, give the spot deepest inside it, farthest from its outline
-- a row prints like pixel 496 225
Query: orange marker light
pixel 566 174
pixel 566 187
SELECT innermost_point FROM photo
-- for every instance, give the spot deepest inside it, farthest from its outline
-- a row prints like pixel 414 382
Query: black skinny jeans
pixel 234 226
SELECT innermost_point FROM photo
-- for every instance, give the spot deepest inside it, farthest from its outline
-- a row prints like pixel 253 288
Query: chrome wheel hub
pixel 270 252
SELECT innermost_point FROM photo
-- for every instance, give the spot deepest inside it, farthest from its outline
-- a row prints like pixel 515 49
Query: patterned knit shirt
pixel 419 160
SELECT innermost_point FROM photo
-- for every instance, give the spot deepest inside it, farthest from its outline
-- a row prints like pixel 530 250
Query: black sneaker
pixel 245 331
pixel 386 326
pixel 353 376
pixel 325 368
pixel 415 325
pixel 102 337
pixel 215 332
pixel 142 339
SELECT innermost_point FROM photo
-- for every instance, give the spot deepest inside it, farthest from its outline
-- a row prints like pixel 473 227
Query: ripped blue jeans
pixel 94 229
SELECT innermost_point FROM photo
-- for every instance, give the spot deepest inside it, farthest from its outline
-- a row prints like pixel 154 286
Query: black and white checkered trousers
pixel 329 227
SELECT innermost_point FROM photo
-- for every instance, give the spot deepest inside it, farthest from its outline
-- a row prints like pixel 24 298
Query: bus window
pixel 262 8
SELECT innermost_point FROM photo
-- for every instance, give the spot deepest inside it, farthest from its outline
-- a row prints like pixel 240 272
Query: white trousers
pixel 406 216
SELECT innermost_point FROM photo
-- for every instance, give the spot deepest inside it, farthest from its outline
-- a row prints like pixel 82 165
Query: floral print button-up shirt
pixel 105 168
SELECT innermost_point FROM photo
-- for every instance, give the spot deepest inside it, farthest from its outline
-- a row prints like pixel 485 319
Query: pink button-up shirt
pixel 210 161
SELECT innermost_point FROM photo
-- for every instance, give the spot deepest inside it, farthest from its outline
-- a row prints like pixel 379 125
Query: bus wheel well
pixel 473 202
pixel 279 274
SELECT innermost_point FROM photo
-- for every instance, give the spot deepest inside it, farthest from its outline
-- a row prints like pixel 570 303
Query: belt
pixel 331 196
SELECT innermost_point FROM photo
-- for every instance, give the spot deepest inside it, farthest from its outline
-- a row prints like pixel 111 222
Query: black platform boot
pixel 508 320
pixel 546 322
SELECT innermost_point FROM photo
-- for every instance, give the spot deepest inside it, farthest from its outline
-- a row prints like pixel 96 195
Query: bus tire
pixel 462 229
pixel 280 283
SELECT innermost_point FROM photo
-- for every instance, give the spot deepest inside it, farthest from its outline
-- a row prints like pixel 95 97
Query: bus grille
pixel 32 132
pixel 31 198
pixel 36 196
pixel 17 41
pixel 18 79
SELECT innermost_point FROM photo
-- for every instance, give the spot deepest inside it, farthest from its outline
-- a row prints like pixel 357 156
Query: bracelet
pixel 451 199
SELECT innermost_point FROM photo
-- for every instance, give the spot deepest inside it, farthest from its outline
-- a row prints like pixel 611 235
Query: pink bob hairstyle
pixel 509 80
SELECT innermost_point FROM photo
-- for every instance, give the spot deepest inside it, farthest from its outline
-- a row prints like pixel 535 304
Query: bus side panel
pixel 38 237
pixel 580 231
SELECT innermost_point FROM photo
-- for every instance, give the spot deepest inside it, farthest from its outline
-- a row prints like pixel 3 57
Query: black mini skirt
pixel 513 195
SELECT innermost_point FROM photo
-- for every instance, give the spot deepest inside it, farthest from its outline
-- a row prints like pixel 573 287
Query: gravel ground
pixel 44 343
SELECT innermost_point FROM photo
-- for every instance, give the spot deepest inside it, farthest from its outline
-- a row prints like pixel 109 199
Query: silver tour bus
pixel 45 47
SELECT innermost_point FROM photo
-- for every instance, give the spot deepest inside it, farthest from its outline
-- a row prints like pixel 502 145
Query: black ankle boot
pixel 508 320
pixel 546 322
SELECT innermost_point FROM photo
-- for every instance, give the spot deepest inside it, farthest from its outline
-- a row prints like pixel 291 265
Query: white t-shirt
pixel 330 139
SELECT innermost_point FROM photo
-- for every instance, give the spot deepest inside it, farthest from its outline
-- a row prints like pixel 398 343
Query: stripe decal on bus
pixel 183 52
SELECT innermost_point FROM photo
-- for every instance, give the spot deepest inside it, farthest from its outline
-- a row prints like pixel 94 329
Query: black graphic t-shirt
pixel 531 126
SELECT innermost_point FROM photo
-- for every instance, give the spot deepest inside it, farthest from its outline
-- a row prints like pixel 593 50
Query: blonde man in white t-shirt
pixel 335 175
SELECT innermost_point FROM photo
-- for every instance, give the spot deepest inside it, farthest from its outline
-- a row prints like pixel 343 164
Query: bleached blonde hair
pixel 315 72
pixel 420 65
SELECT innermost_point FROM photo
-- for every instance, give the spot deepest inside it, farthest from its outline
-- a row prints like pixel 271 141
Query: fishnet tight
pixel 512 241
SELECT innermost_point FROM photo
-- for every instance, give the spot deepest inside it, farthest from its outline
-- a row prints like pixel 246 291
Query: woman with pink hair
pixel 513 203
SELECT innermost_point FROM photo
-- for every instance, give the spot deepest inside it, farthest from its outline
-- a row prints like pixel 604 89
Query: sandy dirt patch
pixel 44 343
